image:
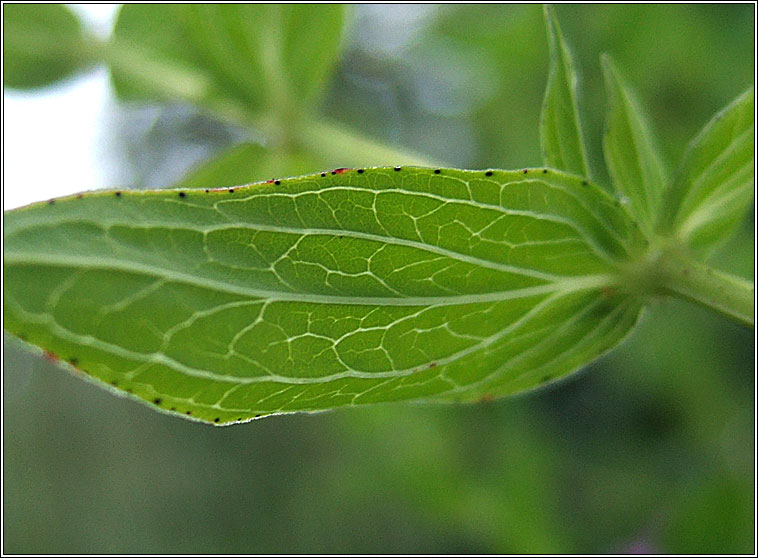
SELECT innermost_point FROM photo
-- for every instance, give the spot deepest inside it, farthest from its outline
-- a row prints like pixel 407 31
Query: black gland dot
pixel 360 171
pixel 525 171
pixel 544 171
pixel 173 408
pixel 118 194
pixel 334 172
pixel 437 171
pixel 323 174
pixel 188 413
pixel 231 190
pixel 157 400
pixel 585 183
pixel 216 419
pixel 488 173
pixel 277 182
pixel 182 195
pixel 398 169
pixel 51 202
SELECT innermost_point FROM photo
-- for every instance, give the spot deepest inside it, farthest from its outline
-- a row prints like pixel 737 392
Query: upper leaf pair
pixel 712 188
pixel 242 59
pixel 251 58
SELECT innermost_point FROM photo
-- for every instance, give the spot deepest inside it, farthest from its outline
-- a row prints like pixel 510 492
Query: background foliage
pixel 651 449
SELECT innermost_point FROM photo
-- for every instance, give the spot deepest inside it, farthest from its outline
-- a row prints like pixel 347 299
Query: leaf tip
pixel 606 62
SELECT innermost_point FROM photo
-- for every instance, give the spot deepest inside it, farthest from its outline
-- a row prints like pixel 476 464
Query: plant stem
pixel 329 139
pixel 727 294
pixel 326 139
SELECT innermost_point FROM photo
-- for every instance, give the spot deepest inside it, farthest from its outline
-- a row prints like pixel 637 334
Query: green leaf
pixel 244 163
pixel 250 56
pixel 714 185
pixel 630 155
pixel 42 43
pixel 560 129
pixel 342 288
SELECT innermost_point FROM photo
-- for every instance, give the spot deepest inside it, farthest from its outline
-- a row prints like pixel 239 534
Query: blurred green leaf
pixel 714 184
pixel 560 129
pixel 632 159
pixel 249 57
pixel 246 163
pixel 344 288
pixel 499 42
pixel 42 43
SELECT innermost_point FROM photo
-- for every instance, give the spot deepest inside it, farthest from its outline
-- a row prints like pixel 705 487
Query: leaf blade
pixel 42 44
pixel 713 186
pixel 323 291
pixel 630 153
pixel 561 136
pixel 253 58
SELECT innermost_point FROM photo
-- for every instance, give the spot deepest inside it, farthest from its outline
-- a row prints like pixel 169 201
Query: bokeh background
pixel 650 449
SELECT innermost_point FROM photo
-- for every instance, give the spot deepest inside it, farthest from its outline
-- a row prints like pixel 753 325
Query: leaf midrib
pixel 568 284
pixel 160 356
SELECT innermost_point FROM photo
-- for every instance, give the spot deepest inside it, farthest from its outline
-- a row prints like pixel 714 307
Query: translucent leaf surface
pixel 252 56
pixel 560 129
pixel 342 288
pixel 630 153
pixel 42 43
pixel 715 183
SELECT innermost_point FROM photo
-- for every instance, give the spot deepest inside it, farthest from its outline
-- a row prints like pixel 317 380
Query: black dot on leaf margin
pixel 216 419
pixel 398 169
pixel 437 171
pixel 488 173
pixel 360 171
pixel 323 174
pixel 277 182
pixel 157 400
pixel 231 190
pixel 182 195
